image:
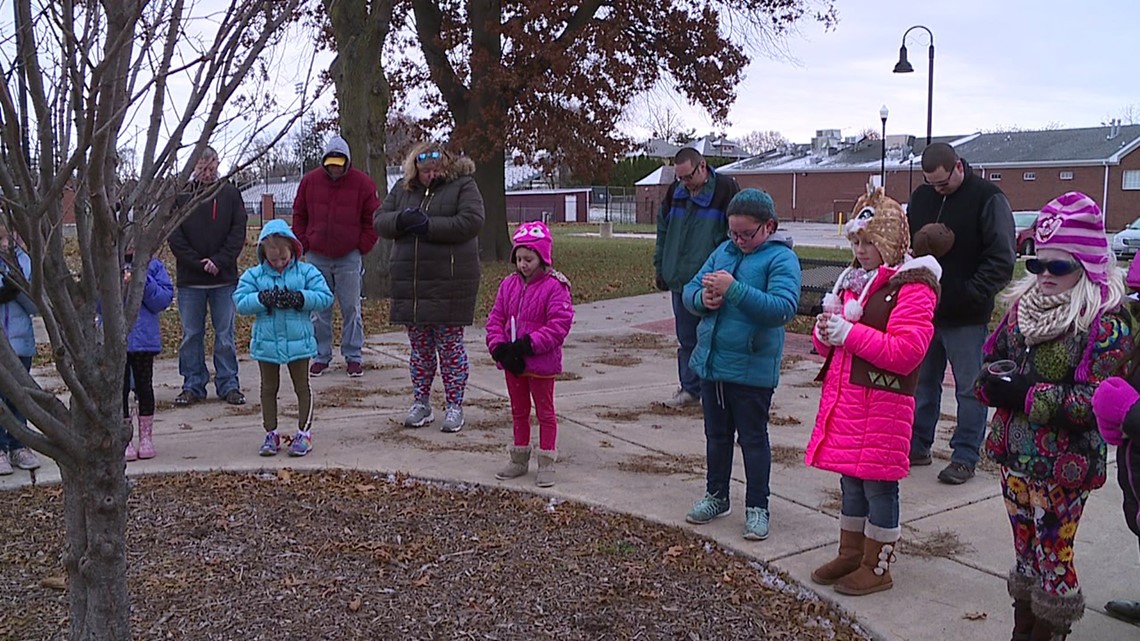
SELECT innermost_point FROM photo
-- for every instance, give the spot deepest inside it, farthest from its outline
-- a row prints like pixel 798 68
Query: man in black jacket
pixel 206 247
pixel 978 265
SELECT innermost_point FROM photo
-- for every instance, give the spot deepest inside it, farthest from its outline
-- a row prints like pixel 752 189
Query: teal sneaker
pixel 756 523
pixel 707 509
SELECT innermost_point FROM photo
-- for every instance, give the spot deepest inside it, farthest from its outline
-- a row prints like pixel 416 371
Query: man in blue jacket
pixel 692 223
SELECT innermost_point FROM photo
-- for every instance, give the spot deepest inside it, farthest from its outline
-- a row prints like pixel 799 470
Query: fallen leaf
pixel 284 475
pixel 676 550
pixel 54 582
pixel 354 604
pixel 422 581
pixel 975 616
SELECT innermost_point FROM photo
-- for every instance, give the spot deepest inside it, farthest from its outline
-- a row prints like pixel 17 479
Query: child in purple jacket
pixel 144 342
pixel 525 331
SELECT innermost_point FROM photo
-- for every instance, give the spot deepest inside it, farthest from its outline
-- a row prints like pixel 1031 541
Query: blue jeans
pixel 7 441
pixel 686 324
pixel 737 410
pixel 343 277
pixel 962 346
pixel 192 303
pixel 876 500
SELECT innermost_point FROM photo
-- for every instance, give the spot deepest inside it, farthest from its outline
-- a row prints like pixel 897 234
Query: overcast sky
pixel 997 63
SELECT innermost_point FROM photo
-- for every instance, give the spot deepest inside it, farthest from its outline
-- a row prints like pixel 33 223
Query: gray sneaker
pixel 419 415
pixel 25 459
pixel 452 419
pixel 708 508
pixel 682 399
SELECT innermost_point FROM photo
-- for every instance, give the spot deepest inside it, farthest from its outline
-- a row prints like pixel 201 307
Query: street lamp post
pixel 903 66
pixel 883 158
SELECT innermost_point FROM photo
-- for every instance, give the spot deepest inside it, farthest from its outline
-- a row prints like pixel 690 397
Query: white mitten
pixel 837 330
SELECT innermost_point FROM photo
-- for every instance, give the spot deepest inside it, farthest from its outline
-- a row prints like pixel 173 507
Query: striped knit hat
pixel 1073 223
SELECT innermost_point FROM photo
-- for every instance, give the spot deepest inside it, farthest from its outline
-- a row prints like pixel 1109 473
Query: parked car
pixel 1127 241
pixel 1025 223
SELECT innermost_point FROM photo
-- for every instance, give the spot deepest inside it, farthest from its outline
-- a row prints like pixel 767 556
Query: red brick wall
pixel 820 196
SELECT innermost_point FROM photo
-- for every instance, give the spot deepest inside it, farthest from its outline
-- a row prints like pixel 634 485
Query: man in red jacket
pixel 332 217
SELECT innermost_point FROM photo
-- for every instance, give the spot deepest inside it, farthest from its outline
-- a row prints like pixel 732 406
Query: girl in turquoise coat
pixel 280 292
pixel 745 293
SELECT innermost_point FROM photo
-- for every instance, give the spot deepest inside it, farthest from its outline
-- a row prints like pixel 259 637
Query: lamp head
pixel 903 65
pixel 883 112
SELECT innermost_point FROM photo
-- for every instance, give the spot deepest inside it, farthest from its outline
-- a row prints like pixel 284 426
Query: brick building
pixel 819 182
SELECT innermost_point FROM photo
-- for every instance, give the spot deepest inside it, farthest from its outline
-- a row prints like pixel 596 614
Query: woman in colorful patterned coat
pixel 1065 332
pixel 875 329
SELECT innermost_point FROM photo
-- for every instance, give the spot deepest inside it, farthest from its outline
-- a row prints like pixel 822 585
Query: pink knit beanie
pixel 1073 223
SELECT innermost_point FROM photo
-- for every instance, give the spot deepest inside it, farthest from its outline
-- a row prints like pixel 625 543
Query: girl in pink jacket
pixel 525 331
pixel 874 331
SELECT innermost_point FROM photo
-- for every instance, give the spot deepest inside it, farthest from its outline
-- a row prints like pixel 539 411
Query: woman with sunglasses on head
pixel 434 214
pixel 1065 331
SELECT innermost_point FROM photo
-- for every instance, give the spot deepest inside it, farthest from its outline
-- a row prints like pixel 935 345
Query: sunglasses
pixel 689 176
pixel 429 155
pixel 1055 267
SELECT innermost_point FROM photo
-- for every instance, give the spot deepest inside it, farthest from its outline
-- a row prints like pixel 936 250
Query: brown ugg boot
pixel 850 552
pixel 1055 614
pixel 546 459
pixel 1019 587
pixel 520 461
pixel 874 572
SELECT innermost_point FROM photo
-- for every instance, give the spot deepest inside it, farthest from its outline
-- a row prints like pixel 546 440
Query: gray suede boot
pixel 546 459
pixel 520 460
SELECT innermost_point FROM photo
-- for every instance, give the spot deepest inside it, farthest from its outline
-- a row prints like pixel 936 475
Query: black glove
pixel 266 298
pixel 523 347
pixel 412 220
pixel 661 284
pixel 8 292
pixel 1008 394
pixel 501 352
pixel 514 364
pixel 291 299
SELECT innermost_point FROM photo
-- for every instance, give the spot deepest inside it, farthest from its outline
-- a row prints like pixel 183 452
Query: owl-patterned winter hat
pixel 882 221
pixel 535 236
pixel 1073 223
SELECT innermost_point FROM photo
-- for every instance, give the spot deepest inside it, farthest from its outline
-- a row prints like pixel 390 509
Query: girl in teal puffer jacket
pixel 280 292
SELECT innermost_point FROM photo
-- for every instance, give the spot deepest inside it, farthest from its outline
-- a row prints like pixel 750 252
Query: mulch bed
pixel 350 555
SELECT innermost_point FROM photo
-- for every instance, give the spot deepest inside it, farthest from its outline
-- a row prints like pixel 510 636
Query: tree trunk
pixel 494 241
pixel 95 515
pixel 363 95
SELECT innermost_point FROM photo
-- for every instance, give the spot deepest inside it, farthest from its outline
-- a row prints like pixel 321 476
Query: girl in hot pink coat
pixel 526 327
pixel 874 332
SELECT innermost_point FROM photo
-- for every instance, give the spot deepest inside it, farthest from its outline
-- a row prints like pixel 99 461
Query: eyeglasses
pixel 942 183
pixel 692 174
pixel 429 155
pixel 1055 267
pixel 745 236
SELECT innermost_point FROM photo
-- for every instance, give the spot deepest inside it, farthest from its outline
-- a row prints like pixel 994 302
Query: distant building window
pixel 1132 179
pixel 1029 175
pixel 1066 175
pixel 995 176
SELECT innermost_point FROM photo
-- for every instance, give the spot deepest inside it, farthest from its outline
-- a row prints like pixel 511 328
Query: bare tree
pixel 74 73
pixel 758 142
pixel 665 123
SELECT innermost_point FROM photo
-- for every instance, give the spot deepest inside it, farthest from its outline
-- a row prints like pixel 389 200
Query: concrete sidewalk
pixel 620 449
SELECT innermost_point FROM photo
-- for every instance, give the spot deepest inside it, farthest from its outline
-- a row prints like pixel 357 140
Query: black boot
pixel 1055 615
pixel 1124 610
pixel 1023 620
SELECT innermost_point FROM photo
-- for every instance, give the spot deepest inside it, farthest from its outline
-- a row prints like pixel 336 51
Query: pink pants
pixel 521 390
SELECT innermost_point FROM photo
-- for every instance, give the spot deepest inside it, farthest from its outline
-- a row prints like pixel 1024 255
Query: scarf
pixel 856 279
pixel 1041 317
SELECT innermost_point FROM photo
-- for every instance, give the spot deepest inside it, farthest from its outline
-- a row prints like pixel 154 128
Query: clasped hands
pixel 512 355
pixel 281 298
pixel 832 328
pixel 715 285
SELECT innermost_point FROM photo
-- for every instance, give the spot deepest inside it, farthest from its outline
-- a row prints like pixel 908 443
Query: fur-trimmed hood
pixel 924 269
pixel 454 168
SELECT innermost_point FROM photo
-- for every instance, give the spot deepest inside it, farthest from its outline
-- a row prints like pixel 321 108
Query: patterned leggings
pixel 1044 517
pixel 447 341
pixel 140 371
